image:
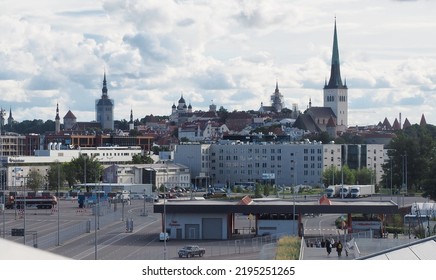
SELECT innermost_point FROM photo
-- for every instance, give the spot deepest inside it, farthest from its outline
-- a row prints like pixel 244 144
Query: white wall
pixel 175 220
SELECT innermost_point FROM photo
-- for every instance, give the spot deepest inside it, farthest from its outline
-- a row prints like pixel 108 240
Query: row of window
pixel 264 151
pixel 342 98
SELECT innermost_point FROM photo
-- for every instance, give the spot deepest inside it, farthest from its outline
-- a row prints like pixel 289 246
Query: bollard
pixel 129 225
pixel 88 226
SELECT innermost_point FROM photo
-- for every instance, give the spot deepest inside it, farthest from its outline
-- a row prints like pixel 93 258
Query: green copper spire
pixel 335 72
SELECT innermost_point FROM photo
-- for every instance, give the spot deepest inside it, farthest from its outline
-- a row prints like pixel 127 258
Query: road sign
pixel 17 232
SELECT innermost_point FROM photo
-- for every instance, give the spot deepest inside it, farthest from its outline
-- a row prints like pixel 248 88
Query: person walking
pixel 328 246
pixel 339 248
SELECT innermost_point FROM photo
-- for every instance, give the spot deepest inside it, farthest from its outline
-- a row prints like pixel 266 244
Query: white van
pixel 164 236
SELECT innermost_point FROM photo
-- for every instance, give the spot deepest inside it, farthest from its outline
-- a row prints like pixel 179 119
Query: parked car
pixel 190 251
pixel 137 196
pixel 151 198
pixel 214 195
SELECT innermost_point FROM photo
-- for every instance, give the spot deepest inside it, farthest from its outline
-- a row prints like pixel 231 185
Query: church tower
pixel 277 99
pixel 131 122
pixel 336 92
pixel 104 108
pixel 57 120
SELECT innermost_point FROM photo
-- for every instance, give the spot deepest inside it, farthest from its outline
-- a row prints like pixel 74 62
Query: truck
pixel 190 251
pixel 332 190
pixel 31 201
pixel 344 191
pixel 362 191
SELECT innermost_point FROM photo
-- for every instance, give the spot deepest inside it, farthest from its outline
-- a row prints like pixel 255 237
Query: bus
pixel 414 219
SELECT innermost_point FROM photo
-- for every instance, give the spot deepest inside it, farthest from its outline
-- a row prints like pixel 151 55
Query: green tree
pixel 55 174
pixel 348 176
pixel 266 190
pixel 35 180
pixel 331 176
pixel 257 190
pixel 364 176
pixel 142 159
pixel 411 155
pixel 84 169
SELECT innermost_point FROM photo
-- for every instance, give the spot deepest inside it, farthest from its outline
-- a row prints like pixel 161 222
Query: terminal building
pixel 217 219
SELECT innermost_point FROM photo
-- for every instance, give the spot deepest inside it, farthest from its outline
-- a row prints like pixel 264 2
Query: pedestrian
pixel 328 247
pixel 339 248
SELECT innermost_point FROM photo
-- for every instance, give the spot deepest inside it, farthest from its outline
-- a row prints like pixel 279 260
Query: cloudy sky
pixel 230 53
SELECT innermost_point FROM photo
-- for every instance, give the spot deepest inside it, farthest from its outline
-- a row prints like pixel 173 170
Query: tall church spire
pixel 104 89
pixel 335 80
pixel 57 120
pixel 335 92
pixel 104 108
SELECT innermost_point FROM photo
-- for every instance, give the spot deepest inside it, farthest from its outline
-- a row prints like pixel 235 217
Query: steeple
pixel 57 112
pixel 104 89
pixel 57 120
pixel 335 80
pixel 10 118
pixel 131 123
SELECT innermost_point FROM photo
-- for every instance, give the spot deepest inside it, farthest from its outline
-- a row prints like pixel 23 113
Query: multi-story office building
pixel 230 162
pixel 355 156
pixel 282 164
pixel 197 158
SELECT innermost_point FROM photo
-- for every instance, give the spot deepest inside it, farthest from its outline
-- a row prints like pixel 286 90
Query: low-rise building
pixel 17 168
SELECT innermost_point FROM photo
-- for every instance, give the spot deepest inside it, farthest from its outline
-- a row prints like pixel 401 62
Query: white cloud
pixel 231 52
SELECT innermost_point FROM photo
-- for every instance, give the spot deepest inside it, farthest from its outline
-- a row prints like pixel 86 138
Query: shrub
pixel 288 248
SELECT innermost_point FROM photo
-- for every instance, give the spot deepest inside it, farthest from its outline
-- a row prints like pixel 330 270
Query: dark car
pixel 190 251
pixel 214 195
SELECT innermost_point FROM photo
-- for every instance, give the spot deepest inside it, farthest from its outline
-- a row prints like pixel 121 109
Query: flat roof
pixel 275 205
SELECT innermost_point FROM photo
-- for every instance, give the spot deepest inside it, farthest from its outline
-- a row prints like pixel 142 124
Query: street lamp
pixel 342 178
pixel 57 205
pixel 391 179
pixel 165 213
pixel 190 183
pixel 370 169
pixel 23 186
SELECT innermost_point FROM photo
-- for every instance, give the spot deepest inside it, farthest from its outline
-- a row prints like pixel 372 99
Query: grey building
pixel 233 162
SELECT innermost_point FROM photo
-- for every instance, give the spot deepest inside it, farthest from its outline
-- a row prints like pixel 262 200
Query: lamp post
pixel 24 209
pixel 391 179
pixel 190 183
pixel 165 213
pixel 4 194
pixel 405 177
pixel 57 205
pixel 371 166
pixel 293 195
pixel 342 178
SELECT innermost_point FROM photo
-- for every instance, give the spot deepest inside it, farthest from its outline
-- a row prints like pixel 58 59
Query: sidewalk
pixel 313 253
pixel 365 246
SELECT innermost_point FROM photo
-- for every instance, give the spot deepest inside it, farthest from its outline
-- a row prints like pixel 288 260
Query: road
pixel 80 240
pixel 111 241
